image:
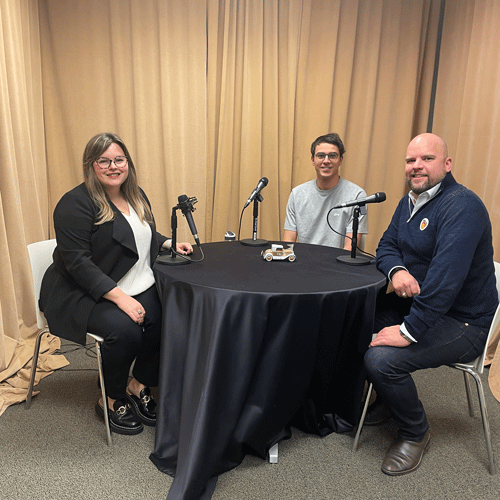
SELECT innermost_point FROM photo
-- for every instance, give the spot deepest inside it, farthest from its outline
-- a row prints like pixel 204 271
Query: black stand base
pixel 172 260
pixel 254 243
pixel 354 261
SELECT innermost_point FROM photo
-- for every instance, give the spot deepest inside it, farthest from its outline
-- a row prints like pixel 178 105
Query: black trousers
pixel 126 341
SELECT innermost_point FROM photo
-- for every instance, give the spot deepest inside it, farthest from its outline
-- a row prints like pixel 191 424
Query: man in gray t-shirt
pixel 309 203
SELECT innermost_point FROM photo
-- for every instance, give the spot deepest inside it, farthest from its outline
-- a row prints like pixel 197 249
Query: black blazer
pixel 89 260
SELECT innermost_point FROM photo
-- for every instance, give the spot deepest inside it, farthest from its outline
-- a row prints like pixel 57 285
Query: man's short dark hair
pixel 330 139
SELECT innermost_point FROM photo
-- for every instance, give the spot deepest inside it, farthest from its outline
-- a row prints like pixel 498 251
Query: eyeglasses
pixel 322 156
pixel 104 163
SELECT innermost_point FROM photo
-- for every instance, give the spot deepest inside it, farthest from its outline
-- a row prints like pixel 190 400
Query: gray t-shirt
pixel 308 207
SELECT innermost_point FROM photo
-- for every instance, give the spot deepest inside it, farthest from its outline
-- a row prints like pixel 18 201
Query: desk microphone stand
pixel 255 242
pixel 173 259
pixel 352 259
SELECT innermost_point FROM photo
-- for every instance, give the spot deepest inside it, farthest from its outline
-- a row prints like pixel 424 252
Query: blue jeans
pixel 389 368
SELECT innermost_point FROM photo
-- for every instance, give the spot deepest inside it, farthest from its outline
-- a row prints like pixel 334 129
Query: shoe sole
pixel 127 431
pixel 407 471
pixel 137 411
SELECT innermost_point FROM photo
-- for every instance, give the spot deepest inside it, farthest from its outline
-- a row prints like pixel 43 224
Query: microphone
pixel 374 198
pixel 186 206
pixel 256 192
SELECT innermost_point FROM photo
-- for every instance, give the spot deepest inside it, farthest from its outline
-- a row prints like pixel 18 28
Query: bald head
pixel 432 141
pixel 427 162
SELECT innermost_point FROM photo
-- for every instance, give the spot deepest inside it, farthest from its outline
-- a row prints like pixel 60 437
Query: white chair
pixel 40 255
pixel 474 369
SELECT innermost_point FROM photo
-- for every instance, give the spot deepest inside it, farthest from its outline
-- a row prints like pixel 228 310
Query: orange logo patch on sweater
pixel 424 223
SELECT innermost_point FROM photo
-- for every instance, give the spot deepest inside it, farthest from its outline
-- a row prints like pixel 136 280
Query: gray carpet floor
pixel 57 451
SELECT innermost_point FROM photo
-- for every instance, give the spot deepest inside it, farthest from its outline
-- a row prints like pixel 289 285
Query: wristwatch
pixel 405 336
pixel 394 270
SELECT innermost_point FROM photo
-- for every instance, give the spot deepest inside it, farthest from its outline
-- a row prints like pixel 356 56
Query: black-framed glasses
pixel 322 156
pixel 104 163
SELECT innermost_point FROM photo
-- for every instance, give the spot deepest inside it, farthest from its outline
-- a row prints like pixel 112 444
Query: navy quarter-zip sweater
pixel 447 247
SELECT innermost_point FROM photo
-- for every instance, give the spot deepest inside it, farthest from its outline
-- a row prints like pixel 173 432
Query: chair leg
pixel 33 368
pixel 273 454
pixel 103 391
pixel 363 415
pixel 486 422
pixel 469 398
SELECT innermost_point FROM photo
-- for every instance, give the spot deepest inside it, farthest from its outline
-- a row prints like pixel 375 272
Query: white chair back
pixel 479 363
pixel 40 254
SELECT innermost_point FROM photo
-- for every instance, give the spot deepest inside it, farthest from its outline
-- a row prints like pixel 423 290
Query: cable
pixel 239 225
pixel 188 258
pixel 345 235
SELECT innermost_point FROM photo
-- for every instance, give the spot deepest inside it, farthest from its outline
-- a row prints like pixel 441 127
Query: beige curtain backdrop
pixel 23 197
pixel 212 95
pixel 282 73
pixel 136 68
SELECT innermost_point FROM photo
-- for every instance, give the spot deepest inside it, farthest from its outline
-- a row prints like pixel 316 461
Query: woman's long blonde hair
pixel 130 189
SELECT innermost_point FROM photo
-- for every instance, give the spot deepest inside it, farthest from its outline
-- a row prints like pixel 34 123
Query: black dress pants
pixel 126 341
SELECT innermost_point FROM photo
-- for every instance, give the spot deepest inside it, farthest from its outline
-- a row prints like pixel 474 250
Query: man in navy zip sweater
pixel 438 254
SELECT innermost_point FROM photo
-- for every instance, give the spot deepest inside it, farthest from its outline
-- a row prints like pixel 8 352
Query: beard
pixel 421 188
pixel 429 183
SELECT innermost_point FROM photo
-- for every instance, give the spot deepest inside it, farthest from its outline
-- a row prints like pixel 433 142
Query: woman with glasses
pixel 102 281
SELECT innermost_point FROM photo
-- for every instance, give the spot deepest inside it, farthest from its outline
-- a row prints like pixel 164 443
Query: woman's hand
pixel 181 248
pixel 184 248
pixel 127 304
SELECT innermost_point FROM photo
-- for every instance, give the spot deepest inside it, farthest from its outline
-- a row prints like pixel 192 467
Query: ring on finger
pixel 404 295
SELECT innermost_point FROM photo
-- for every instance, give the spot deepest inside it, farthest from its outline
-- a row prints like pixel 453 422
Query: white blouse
pixel 140 276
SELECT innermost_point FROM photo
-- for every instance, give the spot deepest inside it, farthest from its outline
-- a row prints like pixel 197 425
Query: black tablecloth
pixel 250 347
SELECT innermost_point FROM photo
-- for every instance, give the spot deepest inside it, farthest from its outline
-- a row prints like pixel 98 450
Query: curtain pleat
pixel 468 99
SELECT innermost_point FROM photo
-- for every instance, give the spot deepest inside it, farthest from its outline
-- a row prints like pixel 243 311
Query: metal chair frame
pixel 40 255
pixel 474 369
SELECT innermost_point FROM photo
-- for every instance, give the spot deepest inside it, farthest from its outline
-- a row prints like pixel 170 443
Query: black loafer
pixel 143 406
pixel 122 420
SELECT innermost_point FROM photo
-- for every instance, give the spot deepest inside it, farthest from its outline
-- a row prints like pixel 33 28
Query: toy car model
pixel 277 252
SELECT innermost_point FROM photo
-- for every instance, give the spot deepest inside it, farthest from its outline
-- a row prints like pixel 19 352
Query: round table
pixel 251 347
